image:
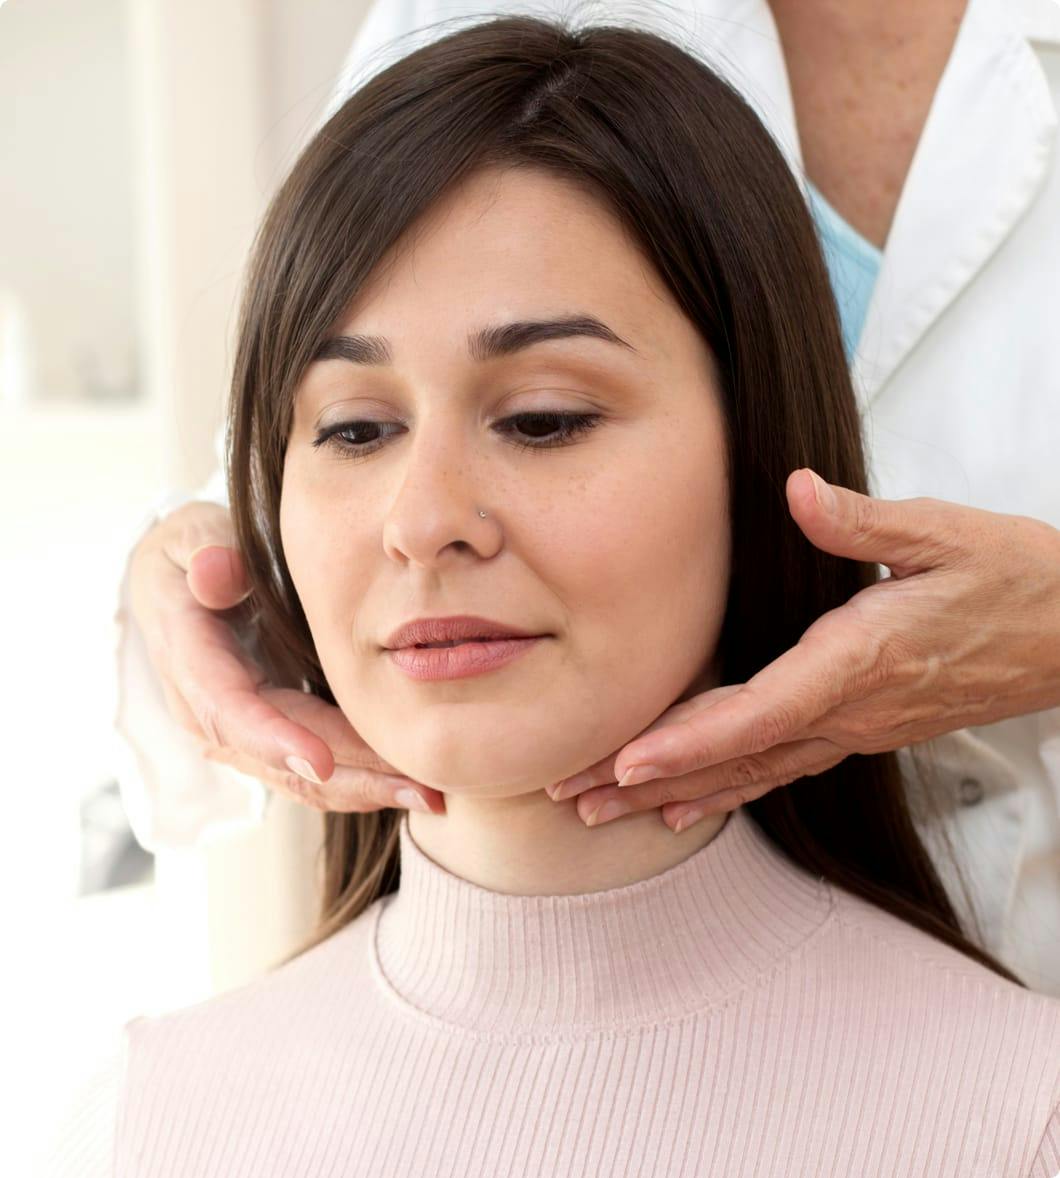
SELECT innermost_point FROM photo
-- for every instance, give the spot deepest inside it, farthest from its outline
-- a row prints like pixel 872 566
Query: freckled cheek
pixel 318 548
pixel 301 544
pixel 668 558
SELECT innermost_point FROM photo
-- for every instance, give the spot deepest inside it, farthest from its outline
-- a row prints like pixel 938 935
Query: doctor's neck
pixel 870 18
pixel 863 76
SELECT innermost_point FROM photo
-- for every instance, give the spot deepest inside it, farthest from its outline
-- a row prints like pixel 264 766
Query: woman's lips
pixel 474 657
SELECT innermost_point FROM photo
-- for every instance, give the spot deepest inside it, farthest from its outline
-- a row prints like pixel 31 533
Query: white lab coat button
pixel 970 791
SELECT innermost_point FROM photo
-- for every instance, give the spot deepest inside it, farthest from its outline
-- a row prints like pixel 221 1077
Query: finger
pixel 778 766
pixel 730 799
pixel 906 535
pixel 220 684
pixel 348 790
pixel 603 771
pixel 216 577
pixel 721 803
pixel 330 724
pixel 194 526
pixel 199 540
pixel 178 707
pixel 771 708
pixel 291 785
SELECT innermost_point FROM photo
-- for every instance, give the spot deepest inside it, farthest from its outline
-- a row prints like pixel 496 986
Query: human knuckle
pixel 356 789
pixel 889 650
pixel 770 728
pixel 665 794
pixel 209 717
pixel 792 771
pixel 866 517
pixel 745 771
pixel 868 733
pixel 307 794
pixel 292 783
pixel 870 666
pixel 860 723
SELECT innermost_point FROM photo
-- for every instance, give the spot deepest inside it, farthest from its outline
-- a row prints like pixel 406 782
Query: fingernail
pixel 609 810
pixel 303 769
pixel 824 494
pixel 687 819
pixel 409 799
pixel 570 786
pixel 638 774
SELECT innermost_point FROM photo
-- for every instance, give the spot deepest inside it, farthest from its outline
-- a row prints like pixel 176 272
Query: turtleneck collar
pixel 512 966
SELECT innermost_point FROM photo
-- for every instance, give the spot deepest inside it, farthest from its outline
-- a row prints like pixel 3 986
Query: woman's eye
pixel 528 431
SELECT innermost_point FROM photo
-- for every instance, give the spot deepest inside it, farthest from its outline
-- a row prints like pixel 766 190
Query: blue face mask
pixel 853 265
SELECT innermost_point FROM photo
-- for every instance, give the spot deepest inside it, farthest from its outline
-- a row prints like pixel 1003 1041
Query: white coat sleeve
pixel 173 797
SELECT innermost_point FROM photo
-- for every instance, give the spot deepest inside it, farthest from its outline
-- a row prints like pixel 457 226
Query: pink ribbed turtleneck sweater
pixel 732 1016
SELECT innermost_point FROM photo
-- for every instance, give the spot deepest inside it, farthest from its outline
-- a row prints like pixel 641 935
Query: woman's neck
pixel 529 845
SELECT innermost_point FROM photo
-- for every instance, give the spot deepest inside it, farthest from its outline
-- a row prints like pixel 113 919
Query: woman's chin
pixel 474 778
pixel 479 786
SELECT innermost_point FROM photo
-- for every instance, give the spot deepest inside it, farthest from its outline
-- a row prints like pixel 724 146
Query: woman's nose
pixel 437 508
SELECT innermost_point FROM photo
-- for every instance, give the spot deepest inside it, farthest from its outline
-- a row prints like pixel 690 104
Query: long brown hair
pixel 649 129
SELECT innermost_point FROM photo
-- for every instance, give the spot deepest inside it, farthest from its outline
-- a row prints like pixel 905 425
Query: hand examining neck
pixel 529 845
pixel 863 76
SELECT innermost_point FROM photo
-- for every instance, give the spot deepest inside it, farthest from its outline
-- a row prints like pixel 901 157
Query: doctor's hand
pixel 965 631
pixel 186 580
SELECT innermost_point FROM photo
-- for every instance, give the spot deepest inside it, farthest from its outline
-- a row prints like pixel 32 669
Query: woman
pixel 921 318
pixel 525 238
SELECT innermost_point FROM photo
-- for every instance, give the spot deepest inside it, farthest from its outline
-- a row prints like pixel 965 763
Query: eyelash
pixel 572 425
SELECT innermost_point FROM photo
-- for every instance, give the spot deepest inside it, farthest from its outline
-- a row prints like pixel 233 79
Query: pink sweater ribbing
pixel 732 1016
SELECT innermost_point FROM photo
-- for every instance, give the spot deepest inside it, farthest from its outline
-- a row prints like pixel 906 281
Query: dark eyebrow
pixel 487 344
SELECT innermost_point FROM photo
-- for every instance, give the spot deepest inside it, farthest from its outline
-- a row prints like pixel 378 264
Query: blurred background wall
pixel 140 142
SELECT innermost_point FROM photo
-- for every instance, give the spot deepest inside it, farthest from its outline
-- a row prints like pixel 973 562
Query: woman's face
pixel 615 543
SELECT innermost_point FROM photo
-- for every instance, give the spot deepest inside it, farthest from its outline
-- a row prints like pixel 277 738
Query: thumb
pixel 217 577
pixel 906 535
pixel 201 541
